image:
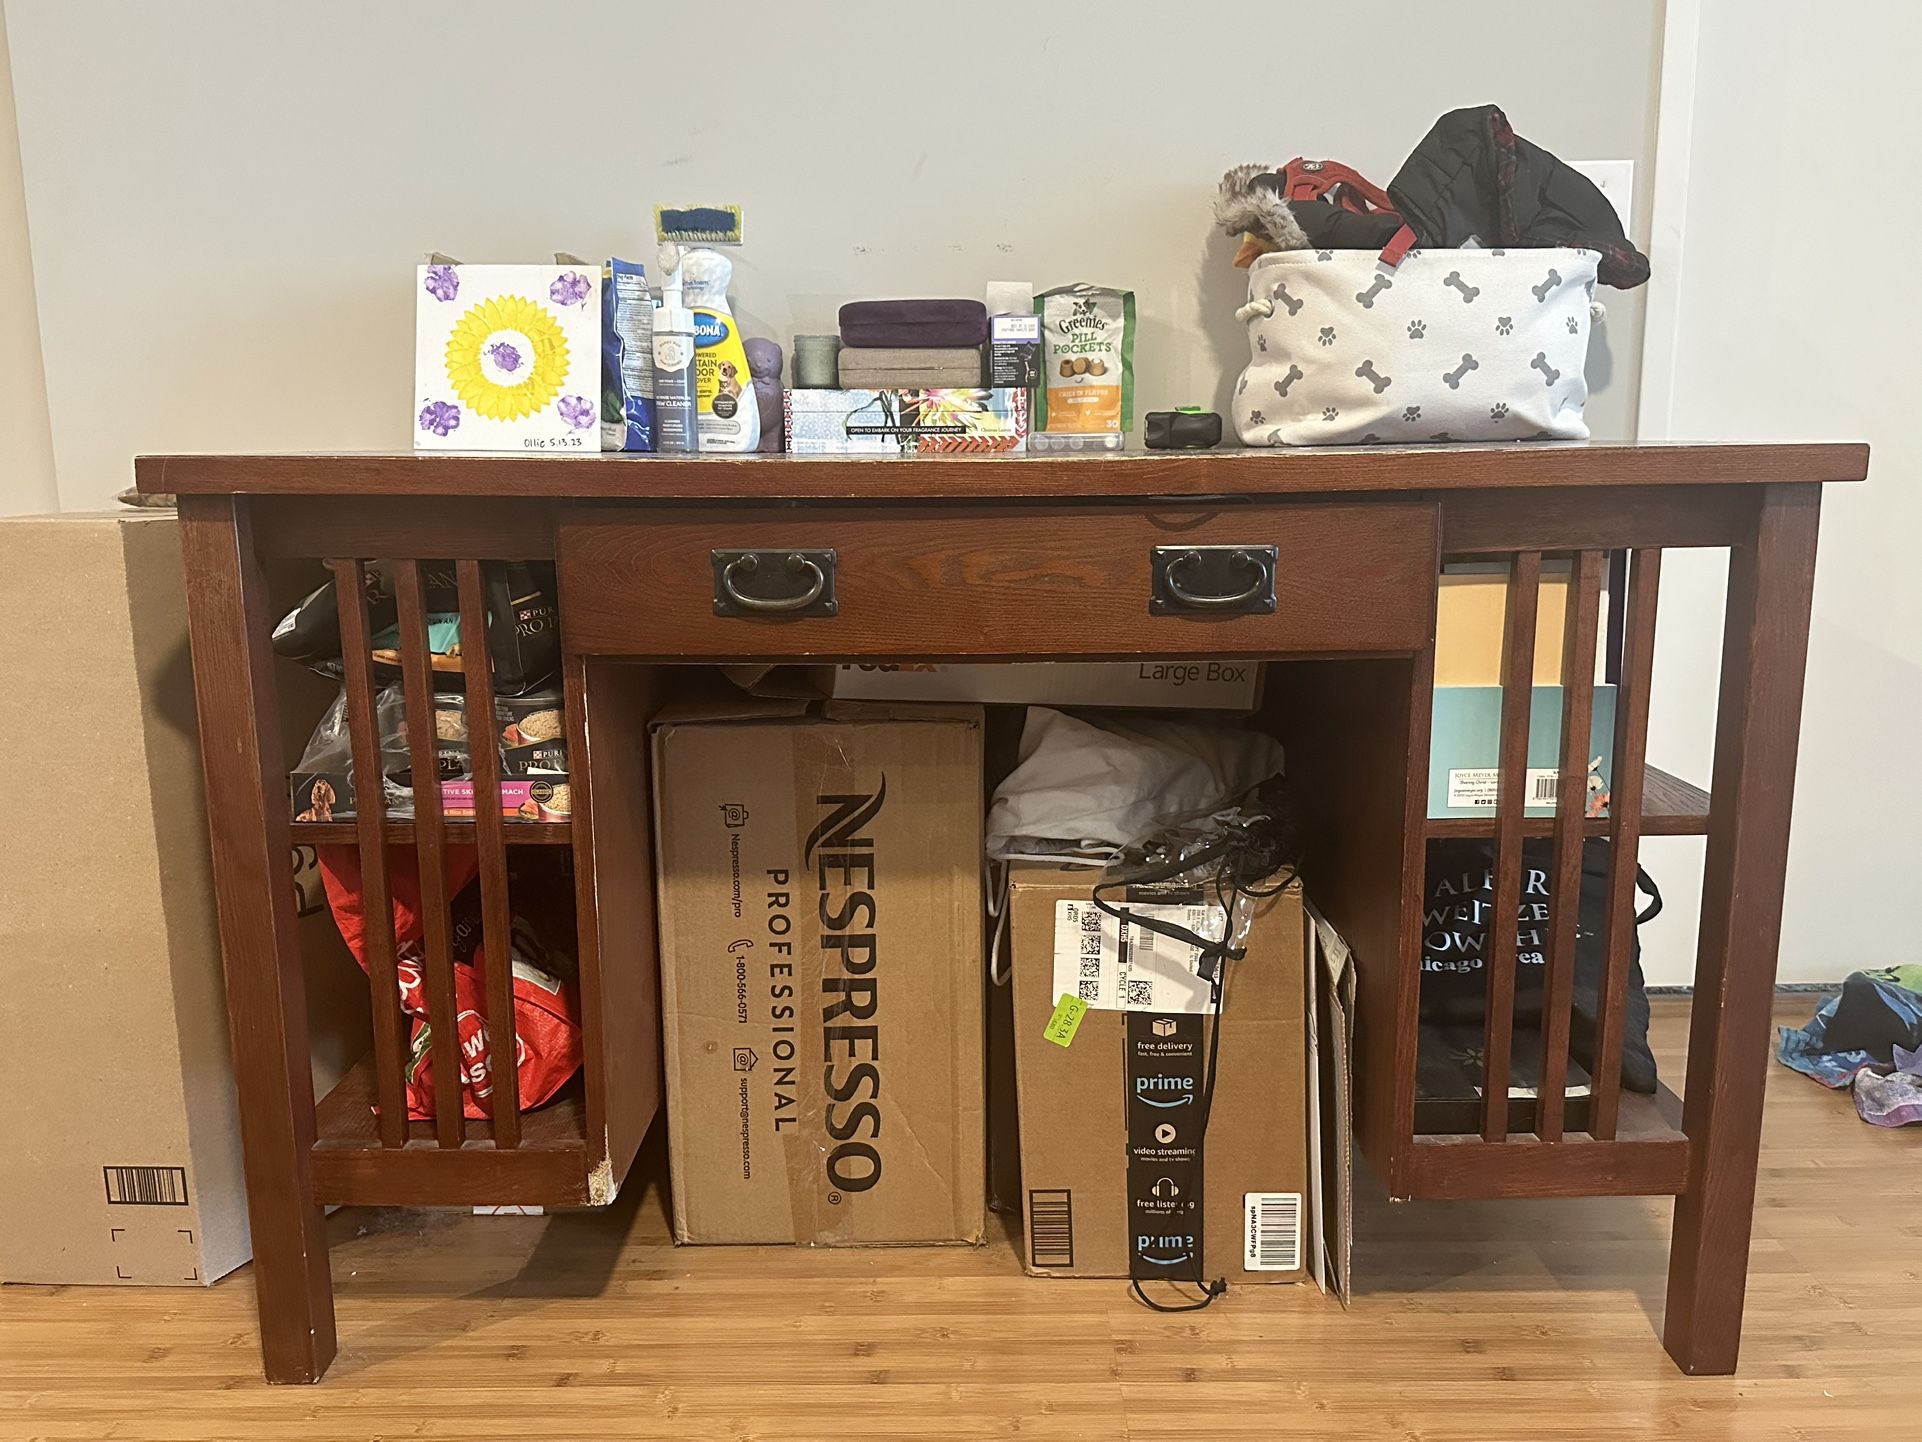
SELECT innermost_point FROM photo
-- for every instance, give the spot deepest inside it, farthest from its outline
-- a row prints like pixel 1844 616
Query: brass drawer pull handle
pixel 1216 568
pixel 815 599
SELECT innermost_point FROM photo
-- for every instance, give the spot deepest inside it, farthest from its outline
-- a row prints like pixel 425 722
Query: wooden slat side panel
pixel 497 946
pixel 1565 889
pixel 430 846
pixel 1511 798
pixel 370 814
pixel 1626 820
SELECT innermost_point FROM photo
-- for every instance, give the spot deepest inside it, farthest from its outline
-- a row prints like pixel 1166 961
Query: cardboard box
pixel 1471 612
pixel 1331 1109
pixel 1464 750
pixel 1014 351
pixel 1108 1154
pixel 123 1160
pixel 947 421
pixel 822 971
pixel 1150 684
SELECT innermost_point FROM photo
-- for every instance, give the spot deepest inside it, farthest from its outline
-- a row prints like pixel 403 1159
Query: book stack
pixel 1465 735
pixel 912 344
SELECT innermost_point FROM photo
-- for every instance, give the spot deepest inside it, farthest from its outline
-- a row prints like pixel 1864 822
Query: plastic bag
pixel 1088 788
pixel 523 633
pixel 547 1030
pixel 530 733
pixel 323 782
pixel 1211 864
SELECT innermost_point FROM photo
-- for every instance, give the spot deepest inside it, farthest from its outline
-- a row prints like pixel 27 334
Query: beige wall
pixel 26 443
pixel 1791 325
pixel 228 198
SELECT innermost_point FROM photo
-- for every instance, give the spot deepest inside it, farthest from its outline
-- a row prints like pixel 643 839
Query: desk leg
pixel 266 1000
pixel 1758 721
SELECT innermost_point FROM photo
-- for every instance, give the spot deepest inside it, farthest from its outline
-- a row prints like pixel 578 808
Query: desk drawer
pixel 954 581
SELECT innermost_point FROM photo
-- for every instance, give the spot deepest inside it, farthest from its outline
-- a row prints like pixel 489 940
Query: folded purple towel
pixel 914 323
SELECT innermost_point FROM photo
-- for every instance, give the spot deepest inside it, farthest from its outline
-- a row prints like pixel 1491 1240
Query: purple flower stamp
pixel 440 418
pixel 442 282
pixel 575 411
pixel 505 356
pixel 570 287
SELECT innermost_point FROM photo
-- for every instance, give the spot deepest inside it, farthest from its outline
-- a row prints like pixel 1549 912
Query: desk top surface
pixel 1230 471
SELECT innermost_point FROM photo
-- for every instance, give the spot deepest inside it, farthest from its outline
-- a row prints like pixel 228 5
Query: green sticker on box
pixel 1066 1020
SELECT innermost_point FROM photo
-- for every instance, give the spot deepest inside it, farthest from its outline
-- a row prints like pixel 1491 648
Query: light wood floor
pixel 1475 1321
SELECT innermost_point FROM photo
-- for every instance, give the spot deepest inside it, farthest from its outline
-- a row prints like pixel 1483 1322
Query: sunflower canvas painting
pixel 507 357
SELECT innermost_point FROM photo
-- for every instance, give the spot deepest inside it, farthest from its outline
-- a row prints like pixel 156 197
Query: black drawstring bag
pixel 1460 897
pixel 523 634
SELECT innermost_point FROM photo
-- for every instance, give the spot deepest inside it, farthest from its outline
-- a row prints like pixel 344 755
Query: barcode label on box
pixel 1272 1238
pixel 1474 786
pixel 146 1186
pixel 1116 965
pixel 1051 1228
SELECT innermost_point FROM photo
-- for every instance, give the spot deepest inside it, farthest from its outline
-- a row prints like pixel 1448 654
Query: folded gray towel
pixel 910 367
pixel 909 358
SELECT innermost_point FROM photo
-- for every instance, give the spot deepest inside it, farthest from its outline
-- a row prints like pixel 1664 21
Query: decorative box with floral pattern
pixel 507 357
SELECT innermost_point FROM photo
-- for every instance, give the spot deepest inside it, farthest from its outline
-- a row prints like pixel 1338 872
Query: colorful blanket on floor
pixel 1869 1038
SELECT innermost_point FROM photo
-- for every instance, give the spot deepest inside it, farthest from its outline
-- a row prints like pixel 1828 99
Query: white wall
pixel 1802 202
pixel 228 198
pixel 26 442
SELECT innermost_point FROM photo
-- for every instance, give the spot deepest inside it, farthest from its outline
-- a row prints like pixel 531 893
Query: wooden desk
pixel 1021 559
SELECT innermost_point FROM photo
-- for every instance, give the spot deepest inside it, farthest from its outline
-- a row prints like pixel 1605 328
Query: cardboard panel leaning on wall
pixel 26 438
pixel 121 1130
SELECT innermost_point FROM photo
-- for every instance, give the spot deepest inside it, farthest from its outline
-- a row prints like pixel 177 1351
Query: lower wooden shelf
pixel 460 833
pixel 1670 807
pixel 1649 1157
pixel 351 1168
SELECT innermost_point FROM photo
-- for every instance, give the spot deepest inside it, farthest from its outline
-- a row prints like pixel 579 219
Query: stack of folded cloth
pixel 912 344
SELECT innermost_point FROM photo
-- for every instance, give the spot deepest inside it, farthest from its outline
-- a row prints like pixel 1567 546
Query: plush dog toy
pixel 1303 205
pixel 1249 204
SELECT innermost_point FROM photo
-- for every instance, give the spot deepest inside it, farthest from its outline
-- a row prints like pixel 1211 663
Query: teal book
pixel 1465 749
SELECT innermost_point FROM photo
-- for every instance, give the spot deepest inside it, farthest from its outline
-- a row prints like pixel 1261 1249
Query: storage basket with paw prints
pixel 1450 345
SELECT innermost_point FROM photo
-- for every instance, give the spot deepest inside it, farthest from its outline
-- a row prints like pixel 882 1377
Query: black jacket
pixel 1472 175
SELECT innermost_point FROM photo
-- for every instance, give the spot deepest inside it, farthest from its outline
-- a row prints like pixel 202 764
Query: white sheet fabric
pixel 1092 788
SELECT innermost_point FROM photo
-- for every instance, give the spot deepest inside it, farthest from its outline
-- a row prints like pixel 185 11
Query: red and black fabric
pixel 1335 206
pixel 1473 176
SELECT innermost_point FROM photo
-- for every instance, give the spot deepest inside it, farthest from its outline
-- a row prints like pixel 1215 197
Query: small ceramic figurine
pixel 764 360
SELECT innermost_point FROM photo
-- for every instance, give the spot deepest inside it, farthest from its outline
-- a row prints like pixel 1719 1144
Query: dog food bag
pixel 323 783
pixel 1087 360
